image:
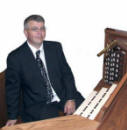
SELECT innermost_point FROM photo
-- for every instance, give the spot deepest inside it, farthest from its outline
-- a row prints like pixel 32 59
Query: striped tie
pixel 45 78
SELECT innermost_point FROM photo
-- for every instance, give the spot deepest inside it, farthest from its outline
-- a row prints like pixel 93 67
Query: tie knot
pixel 38 53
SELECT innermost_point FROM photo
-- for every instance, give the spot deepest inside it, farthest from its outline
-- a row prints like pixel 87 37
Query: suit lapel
pixel 49 61
pixel 30 60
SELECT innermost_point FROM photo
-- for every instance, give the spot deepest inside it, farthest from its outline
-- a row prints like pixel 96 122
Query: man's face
pixel 35 33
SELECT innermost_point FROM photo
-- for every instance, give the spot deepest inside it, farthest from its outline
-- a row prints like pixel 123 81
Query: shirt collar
pixel 34 50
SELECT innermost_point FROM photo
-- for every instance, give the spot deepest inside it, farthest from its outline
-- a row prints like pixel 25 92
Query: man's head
pixel 34 29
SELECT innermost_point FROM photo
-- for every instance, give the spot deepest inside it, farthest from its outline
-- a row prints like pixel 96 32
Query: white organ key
pixel 102 102
pixel 112 88
pixel 85 103
pixel 94 103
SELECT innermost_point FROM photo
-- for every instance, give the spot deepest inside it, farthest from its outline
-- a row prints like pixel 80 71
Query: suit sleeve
pixel 12 83
pixel 67 76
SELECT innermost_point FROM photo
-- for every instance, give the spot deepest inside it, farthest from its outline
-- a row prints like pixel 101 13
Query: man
pixel 37 73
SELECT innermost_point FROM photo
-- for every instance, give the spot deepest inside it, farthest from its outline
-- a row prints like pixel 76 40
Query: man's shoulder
pixel 18 50
pixel 52 43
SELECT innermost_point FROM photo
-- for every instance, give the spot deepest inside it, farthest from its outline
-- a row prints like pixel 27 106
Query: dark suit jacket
pixel 23 75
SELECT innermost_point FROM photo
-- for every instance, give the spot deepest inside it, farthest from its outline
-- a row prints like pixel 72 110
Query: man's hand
pixel 11 122
pixel 69 107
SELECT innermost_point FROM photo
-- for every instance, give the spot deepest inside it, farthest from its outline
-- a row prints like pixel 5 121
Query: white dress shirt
pixel 42 56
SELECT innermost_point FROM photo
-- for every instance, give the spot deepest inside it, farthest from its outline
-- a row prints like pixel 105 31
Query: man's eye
pixel 38 29
pixel 34 29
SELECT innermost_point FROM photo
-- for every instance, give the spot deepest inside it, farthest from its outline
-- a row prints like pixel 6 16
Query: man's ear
pixel 25 32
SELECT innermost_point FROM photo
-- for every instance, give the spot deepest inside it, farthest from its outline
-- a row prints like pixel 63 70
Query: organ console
pixel 106 106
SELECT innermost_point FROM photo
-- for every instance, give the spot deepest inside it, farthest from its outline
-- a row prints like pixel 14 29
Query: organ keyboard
pixel 106 106
pixel 91 106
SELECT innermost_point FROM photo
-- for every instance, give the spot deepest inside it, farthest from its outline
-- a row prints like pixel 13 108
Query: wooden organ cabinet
pixel 106 107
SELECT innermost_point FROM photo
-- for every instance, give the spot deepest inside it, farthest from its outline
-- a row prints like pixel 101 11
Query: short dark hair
pixel 37 18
